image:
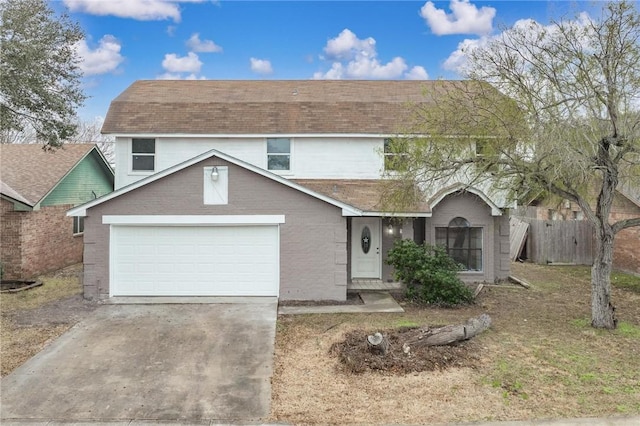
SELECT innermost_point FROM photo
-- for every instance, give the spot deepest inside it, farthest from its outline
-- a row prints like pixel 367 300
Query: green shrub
pixel 430 274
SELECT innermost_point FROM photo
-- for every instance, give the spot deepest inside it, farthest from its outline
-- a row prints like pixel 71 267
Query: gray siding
pixel 495 244
pixel 313 239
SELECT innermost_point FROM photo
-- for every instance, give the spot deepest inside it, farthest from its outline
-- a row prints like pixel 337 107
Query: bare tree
pixel 552 110
pixel 89 132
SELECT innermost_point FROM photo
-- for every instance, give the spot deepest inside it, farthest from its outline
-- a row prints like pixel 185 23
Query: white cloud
pixel 175 76
pixel 363 68
pixel 465 19
pixel 261 66
pixel 176 64
pixel 458 59
pixel 196 45
pixel 143 10
pixel 417 73
pixel 347 46
pixel 355 58
pixel 105 58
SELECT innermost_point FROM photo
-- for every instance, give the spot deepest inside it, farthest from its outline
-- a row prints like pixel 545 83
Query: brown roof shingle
pixel 363 194
pixel 31 171
pixel 266 107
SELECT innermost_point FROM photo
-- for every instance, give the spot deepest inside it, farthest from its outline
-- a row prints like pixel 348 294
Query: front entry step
pixel 361 285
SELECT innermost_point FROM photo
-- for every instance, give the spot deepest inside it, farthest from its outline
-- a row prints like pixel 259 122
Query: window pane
pixel 278 162
pixel 460 256
pixel 475 260
pixel 459 222
pixel 387 145
pixel 278 145
pixel 78 224
pixel 458 238
pixel 441 237
pixel 143 146
pixel 143 162
pixel 475 238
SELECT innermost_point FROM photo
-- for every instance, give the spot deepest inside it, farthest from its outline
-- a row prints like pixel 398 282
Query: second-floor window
pixel 279 154
pixel 394 157
pixel 143 155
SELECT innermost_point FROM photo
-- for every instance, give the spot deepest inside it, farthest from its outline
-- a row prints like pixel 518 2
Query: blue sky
pixel 128 40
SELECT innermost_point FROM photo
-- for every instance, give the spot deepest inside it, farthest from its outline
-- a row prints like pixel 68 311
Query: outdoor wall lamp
pixel 214 174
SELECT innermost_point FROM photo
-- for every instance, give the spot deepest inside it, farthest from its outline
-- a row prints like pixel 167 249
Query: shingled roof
pixel 363 194
pixel 266 107
pixel 30 172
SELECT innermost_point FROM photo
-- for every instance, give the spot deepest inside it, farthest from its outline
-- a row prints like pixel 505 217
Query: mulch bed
pixel 355 357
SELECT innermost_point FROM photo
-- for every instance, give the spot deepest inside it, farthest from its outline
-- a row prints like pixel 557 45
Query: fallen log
pixel 448 334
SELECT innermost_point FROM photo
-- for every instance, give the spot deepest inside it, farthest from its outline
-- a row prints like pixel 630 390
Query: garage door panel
pixel 194 261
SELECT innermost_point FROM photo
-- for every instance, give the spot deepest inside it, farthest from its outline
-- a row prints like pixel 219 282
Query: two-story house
pixel 268 188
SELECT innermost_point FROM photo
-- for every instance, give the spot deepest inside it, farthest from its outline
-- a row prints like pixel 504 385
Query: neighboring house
pixel 626 205
pixel 268 188
pixel 37 187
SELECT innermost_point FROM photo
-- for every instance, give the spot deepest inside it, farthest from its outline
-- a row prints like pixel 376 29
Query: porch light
pixel 390 229
pixel 214 174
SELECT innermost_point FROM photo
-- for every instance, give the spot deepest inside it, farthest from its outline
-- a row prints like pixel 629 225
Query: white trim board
pixel 192 220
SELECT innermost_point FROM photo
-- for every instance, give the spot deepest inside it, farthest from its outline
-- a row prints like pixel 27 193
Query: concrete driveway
pixel 188 362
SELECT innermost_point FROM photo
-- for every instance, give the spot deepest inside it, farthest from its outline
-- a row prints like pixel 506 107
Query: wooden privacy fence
pixel 558 241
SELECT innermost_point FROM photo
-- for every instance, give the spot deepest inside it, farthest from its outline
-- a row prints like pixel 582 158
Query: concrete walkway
pixel 374 301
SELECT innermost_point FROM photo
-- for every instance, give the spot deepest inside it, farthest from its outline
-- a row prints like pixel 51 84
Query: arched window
pixel 462 242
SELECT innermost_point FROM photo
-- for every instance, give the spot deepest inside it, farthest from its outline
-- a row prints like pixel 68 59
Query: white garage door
pixel 194 260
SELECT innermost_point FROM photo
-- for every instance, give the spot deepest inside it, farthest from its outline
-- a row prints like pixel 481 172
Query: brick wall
pixel 37 242
pixel 10 243
pixel 626 247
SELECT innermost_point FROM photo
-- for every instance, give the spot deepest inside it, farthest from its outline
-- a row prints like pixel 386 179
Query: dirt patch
pixel 354 354
pixel 69 310
pixel 30 319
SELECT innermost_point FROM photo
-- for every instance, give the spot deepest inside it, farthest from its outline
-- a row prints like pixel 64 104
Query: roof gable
pixel 231 107
pixel 33 172
pixel 82 209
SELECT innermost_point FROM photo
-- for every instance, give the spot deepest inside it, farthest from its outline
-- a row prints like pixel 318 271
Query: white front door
pixel 366 245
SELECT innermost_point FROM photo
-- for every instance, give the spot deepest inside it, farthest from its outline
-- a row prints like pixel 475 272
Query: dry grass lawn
pixel 19 341
pixel 540 359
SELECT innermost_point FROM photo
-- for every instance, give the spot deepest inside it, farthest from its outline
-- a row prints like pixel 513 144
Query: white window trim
pixel 192 220
pixel 77 219
pixel 155 159
pixel 266 157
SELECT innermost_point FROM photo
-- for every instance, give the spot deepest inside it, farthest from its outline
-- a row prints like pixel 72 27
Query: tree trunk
pixel 602 311
pixel 378 344
pixel 448 334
